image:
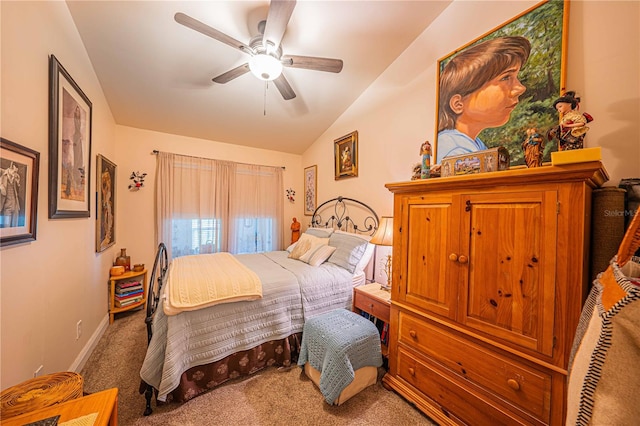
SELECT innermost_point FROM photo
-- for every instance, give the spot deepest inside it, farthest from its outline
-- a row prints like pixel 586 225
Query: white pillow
pixel 306 244
pixel 366 258
pixel 321 254
pixel 291 247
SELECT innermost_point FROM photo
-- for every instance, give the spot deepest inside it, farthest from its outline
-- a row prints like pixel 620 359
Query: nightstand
pixel 375 301
pixel 127 291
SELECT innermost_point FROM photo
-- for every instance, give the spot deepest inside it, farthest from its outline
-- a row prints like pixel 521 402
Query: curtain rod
pixel 156 152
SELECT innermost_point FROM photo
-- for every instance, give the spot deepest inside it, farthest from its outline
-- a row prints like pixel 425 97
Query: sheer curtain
pixel 207 206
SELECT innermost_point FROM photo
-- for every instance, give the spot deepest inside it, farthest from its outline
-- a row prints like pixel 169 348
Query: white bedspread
pixel 291 291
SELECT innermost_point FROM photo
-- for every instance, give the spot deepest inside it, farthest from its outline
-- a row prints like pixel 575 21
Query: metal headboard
pixel 340 219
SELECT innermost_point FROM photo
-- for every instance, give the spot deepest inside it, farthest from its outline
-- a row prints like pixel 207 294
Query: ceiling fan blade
pixel 312 63
pixel 277 19
pixel 284 88
pixel 205 29
pixel 231 74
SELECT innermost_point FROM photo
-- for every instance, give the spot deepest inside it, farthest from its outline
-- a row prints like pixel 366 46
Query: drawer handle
pixel 513 384
pixel 463 259
pixel 412 372
pixel 453 257
pixel 413 333
pixel 371 306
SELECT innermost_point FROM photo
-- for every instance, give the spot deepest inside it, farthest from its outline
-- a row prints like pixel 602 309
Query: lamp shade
pixel 384 234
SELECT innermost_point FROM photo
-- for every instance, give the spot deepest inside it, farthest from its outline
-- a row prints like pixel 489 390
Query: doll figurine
pixel 573 124
pixel 425 151
pixel 533 147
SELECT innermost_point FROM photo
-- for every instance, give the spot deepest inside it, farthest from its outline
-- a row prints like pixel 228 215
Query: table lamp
pixel 384 237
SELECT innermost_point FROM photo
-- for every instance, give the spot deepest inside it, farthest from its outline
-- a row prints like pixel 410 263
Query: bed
pixel 192 351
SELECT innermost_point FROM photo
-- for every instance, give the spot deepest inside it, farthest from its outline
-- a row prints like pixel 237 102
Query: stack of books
pixel 128 293
pixel 383 327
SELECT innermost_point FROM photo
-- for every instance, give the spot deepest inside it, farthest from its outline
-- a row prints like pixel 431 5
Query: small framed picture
pixel 310 185
pixel 69 145
pixel 346 156
pixel 105 203
pixel 19 167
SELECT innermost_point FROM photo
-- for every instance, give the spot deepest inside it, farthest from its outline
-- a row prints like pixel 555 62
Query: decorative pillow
pixel 349 250
pixel 319 232
pixel 306 244
pixel 368 252
pixel 320 255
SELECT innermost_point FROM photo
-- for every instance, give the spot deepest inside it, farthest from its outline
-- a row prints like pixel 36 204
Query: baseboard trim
pixel 87 350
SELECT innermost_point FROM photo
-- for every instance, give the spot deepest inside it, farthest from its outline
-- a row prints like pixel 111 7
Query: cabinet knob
pixel 413 333
pixel 513 384
pixel 453 257
pixel 463 259
pixel 412 371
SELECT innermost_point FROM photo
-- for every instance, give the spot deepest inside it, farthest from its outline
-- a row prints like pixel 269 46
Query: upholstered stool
pixel 340 352
pixel 40 392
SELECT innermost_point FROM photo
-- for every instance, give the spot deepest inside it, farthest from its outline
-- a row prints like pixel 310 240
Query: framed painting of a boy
pixel 493 89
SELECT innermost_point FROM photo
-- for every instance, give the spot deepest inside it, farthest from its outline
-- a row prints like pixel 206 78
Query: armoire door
pixel 508 290
pixel 427 280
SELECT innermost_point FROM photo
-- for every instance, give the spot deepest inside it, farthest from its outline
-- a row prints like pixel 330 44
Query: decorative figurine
pixel 416 172
pixel 295 230
pixel 573 124
pixel 533 147
pixel 425 151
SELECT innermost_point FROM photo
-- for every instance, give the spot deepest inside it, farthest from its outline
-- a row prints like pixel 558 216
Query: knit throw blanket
pixel 199 281
pixel 337 344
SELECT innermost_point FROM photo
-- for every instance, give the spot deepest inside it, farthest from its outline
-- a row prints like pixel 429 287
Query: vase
pixel 123 260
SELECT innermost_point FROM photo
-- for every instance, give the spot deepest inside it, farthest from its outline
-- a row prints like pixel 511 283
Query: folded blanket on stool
pixel 337 344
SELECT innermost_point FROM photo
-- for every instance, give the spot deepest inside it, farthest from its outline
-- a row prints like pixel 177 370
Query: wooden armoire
pixel 490 272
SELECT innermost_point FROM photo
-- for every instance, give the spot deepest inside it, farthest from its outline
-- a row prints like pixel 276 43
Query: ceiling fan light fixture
pixel 265 67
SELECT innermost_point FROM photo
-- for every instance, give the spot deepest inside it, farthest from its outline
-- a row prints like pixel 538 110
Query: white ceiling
pixel 156 74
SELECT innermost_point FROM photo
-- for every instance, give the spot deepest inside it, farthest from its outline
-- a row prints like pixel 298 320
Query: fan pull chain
pixel 266 83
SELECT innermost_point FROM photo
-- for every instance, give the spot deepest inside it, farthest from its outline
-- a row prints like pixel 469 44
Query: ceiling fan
pixel 265 49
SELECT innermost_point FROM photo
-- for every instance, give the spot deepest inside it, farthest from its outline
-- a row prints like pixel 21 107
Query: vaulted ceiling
pixel 157 74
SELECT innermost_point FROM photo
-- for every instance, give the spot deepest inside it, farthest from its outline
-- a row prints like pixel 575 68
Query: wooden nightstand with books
pixel 127 291
pixel 374 302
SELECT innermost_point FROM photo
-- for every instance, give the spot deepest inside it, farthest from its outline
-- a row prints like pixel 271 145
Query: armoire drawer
pixel 451 396
pixel 521 385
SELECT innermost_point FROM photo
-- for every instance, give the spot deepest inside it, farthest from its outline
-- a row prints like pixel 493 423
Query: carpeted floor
pixel 270 397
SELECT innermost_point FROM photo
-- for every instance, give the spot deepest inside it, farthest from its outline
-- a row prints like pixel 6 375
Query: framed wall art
pixel 19 168
pixel 346 156
pixel 310 188
pixel 518 71
pixel 105 203
pixel 69 145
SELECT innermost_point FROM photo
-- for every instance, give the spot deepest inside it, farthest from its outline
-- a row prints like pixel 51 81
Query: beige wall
pixel 50 284
pixel 397 113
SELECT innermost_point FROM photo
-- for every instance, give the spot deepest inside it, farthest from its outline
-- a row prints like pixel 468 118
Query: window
pixel 209 206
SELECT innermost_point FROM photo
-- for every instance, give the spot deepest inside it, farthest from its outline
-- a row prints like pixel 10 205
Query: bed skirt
pixel 201 379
